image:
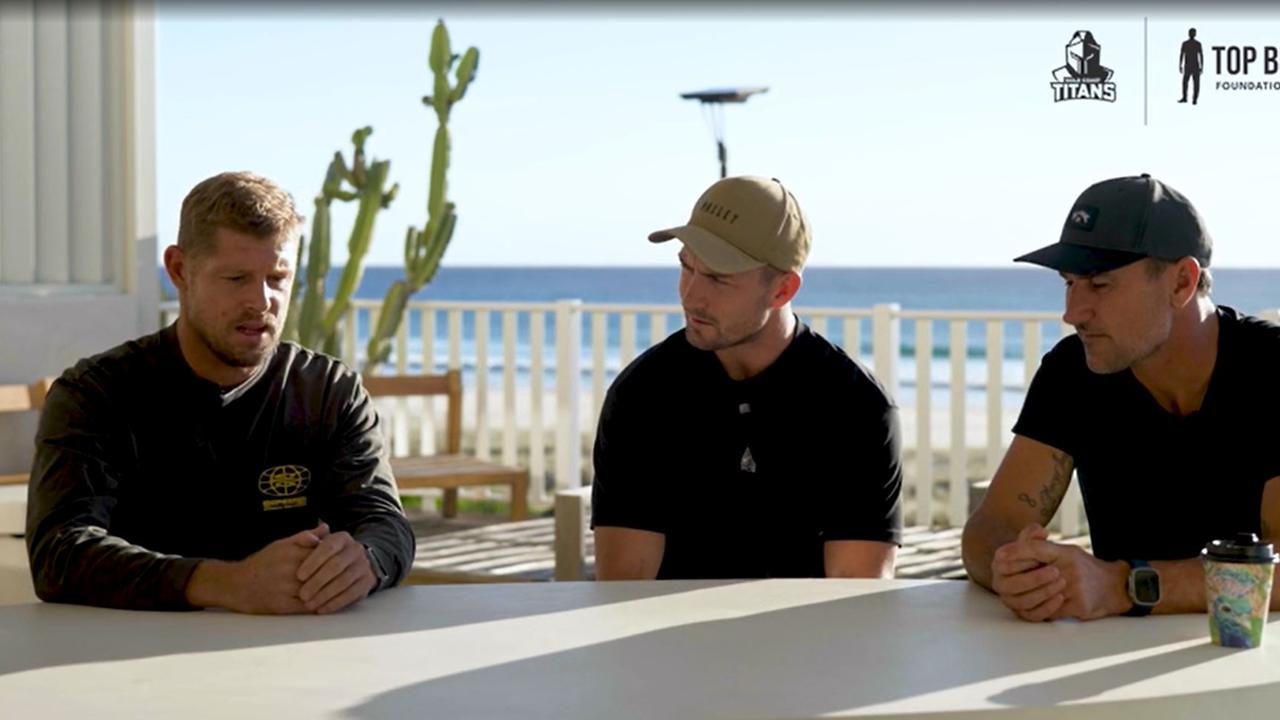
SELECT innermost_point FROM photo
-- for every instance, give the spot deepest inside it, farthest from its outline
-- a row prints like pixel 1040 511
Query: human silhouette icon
pixel 1191 64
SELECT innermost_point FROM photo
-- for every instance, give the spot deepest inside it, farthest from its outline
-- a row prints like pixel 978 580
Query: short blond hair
pixel 239 201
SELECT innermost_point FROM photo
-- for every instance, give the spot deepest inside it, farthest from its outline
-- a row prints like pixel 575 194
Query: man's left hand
pixel 335 575
pixel 1094 588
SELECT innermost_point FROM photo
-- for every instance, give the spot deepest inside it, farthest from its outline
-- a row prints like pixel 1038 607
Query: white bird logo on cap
pixel 1080 217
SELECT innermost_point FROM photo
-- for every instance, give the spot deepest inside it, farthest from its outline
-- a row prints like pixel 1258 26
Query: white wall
pixel 77 190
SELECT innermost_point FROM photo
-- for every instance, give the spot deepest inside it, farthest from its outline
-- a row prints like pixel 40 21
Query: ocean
pixel 975 289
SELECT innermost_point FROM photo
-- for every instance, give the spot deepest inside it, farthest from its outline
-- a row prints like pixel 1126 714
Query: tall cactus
pixel 315 324
pixel 424 248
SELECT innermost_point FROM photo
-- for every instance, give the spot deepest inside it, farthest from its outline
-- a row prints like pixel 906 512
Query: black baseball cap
pixel 1123 220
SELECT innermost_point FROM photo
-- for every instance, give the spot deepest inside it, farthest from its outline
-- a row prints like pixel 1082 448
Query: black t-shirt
pixel 1157 486
pixel 142 470
pixel 749 478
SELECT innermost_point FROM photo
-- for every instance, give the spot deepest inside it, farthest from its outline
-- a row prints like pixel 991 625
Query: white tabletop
pixel 753 649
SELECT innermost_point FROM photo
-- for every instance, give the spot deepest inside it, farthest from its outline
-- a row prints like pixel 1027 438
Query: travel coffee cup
pixel 1237 581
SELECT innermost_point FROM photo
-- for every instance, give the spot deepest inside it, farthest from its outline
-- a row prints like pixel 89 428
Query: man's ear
pixel 177 266
pixel 787 285
pixel 1186 279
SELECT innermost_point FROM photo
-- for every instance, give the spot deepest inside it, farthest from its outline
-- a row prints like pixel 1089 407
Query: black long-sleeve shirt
pixel 142 470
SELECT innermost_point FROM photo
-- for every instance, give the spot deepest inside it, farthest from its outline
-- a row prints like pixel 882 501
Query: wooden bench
pixel 451 469
pixel 22 398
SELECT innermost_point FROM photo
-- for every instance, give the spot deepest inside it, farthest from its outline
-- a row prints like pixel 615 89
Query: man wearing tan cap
pixel 745 445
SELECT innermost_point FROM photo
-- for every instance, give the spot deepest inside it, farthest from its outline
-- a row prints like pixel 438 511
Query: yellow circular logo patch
pixel 284 480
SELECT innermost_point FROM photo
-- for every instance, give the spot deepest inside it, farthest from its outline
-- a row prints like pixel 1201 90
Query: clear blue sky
pixel 910 140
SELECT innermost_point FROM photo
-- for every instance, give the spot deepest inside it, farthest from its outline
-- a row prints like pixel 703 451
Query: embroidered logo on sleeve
pixel 284 484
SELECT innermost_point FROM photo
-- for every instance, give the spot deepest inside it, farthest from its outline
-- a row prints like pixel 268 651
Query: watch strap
pixel 379 574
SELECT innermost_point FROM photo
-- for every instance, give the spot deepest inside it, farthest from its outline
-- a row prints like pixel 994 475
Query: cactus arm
pixel 466 73
pixel 371 201
pixel 309 326
pixel 424 249
pixel 291 317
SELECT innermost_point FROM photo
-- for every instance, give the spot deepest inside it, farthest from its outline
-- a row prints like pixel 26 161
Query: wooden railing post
pixel 568 467
pixel 886 338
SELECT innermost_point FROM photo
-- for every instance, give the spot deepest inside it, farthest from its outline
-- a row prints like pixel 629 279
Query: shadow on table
pixel 802 661
pixel 40 635
pixel 1092 683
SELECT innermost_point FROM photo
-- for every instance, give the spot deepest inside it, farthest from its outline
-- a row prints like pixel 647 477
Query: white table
pixel 797 648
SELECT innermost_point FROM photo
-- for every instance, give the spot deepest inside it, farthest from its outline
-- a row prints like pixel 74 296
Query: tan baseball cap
pixel 743 223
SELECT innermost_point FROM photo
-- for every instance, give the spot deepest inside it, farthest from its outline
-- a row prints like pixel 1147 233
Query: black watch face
pixel 1146 586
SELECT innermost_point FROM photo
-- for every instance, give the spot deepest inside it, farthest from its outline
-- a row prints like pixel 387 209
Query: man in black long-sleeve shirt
pixel 209 465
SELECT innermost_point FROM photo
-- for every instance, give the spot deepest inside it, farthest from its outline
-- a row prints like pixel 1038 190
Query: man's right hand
pixel 1031 589
pixel 265 583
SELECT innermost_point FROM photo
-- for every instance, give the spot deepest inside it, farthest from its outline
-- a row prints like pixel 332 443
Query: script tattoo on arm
pixel 1052 492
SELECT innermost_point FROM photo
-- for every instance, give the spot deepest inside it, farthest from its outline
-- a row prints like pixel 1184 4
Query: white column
pixel 17 143
pixel 141 277
pixel 88 180
pixel 53 260
pixel 116 160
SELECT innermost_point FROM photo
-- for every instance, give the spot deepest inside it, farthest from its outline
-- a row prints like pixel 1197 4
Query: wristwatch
pixel 379 574
pixel 1143 586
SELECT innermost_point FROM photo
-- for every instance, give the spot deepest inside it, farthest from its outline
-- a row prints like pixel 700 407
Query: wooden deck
pixel 524 552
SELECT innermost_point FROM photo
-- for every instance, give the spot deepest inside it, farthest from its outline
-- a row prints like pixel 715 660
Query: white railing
pixel 547 383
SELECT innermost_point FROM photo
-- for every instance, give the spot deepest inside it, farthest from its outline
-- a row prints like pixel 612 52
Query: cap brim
pixel 718 254
pixel 1079 259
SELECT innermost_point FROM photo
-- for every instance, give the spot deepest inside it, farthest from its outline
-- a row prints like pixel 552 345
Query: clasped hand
pixel 313 571
pixel 1042 580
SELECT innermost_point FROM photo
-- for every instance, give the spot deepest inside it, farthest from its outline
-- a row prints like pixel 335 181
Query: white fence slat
pixel 853 337
pixel 1031 339
pixel 819 325
pixel 568 431
pixel 924 423
pixel 350 327
pixel 627 347
pixel 995 394
pixel 537 447
pixel 509 330
pixel 455 339
pixel 482 384
pixel 958 507
pixel 599 339
pixel 886 345
pixel 657 328
pixel 402 344
pixel 1068 515
pixel 427 439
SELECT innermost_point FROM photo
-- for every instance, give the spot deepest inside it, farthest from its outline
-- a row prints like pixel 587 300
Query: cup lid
pixel 1243 548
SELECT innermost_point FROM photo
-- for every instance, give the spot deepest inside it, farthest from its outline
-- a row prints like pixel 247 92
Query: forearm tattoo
pixel 1051 494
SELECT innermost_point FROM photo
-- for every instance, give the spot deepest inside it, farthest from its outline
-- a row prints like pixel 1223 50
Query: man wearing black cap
pixel 1162 404
pixel 745 445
